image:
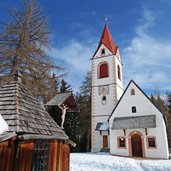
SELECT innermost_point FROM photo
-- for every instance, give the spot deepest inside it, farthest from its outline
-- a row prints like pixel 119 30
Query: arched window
pixel 103 70
pixel 132 91
pixel 119 72
pixel 103 52
pixel 104 100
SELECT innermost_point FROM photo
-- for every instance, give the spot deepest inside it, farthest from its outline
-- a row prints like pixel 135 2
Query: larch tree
pixel 22 47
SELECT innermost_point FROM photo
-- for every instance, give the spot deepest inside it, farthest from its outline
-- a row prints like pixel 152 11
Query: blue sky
pixel 141 29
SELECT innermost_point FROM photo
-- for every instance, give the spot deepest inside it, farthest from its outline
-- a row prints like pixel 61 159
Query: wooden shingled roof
pixel 64 98
pixel 24 115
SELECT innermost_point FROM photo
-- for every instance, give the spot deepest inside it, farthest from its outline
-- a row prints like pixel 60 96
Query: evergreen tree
pixel 168 100
pixel 161 105
pixel 64 88
pixel 71 126
pixel 84 103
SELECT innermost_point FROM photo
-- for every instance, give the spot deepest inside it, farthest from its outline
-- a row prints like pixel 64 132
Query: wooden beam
pixel 146 133
pixel 124 130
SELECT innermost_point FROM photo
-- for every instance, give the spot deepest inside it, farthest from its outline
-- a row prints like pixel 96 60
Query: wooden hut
pixel 34 140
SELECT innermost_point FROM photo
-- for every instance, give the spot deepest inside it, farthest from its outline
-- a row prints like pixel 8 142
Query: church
pixel 123 122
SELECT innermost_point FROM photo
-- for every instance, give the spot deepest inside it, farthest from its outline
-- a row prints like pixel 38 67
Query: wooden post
pixel 66 157
pixel 60 156
pixel 53 154
pixel 7 156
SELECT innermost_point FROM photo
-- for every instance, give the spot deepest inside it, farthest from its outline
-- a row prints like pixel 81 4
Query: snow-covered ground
pixel 106 162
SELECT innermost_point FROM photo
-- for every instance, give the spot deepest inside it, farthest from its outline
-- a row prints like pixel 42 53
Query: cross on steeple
pixel 105 19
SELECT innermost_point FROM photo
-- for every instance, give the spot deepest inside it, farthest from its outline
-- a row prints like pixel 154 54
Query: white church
pixel 123 121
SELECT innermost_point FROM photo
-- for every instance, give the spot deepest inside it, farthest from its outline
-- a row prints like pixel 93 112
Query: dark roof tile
pixel 146 121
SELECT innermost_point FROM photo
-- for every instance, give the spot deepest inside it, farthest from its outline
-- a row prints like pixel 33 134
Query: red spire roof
pixel 107 40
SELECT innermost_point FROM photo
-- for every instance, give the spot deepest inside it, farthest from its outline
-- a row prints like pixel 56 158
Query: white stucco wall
pixel 101 112
pixel 144 107
pixel 97 143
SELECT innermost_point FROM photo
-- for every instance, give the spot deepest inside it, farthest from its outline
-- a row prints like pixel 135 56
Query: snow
pixel 104 126
pixel 107 162
pixel 3 125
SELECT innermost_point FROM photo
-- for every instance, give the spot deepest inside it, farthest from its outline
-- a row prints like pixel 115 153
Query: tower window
pixel 132 91
pixel 134 110
pixel 104 100
pixel 103 52
pixel 103 70
pixel 119 73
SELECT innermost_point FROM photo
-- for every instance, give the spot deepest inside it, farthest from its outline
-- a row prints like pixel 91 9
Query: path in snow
pixel 106 162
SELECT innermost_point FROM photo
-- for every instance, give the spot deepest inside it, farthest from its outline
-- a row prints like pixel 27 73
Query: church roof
pixel 65 98
pixel 148 121
pixel 58 99
pixel 24 115
pixel 107 40
pixel 102 126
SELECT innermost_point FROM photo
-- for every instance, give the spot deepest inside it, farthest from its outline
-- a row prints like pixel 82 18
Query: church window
pixel 119 73
pixel 132 91
pixel 103 70
pixel 104 100
pixel 134 110
pixel 151 142
pixel 103 52
pixel 121 142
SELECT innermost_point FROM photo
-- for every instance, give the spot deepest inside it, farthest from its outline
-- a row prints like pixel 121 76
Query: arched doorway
pixel 136 144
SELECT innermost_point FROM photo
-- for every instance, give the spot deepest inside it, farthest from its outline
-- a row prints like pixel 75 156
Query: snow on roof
pixel 3 125
pixel 102 126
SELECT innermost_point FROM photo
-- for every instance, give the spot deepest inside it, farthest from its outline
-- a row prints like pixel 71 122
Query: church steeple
pixel 107 88
pixel 106 39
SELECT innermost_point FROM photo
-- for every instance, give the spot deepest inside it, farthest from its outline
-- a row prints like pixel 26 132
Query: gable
pixel 98 53
pixel 139 100
pixel 106 39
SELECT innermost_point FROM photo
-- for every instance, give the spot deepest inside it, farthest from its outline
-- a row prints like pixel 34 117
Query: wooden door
pixel 136 145
pixel 105 141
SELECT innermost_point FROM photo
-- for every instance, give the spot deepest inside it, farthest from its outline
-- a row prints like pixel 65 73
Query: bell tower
pixel 107 88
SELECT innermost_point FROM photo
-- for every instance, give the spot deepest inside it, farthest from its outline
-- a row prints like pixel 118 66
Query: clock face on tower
pixel 103 90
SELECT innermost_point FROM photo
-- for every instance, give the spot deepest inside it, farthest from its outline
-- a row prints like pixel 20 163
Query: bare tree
pixel 22 47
